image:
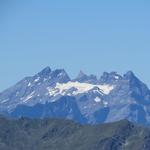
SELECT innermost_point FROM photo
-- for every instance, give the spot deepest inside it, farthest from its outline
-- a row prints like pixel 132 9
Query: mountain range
pixel 61 134
pixel 85 99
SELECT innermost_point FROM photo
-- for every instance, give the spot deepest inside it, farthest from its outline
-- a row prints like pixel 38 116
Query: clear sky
pixel 89 35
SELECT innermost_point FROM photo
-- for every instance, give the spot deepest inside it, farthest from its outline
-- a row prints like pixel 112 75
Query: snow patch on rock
pixel 79 88
pixel 97 99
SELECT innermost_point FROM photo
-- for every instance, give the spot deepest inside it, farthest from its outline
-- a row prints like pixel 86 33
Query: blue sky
pixel 93 36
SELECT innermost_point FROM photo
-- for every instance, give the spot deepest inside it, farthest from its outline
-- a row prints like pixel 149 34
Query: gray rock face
pixel 85 99
pixel 82 77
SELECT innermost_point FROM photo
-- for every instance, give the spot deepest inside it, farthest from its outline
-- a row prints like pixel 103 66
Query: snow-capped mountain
pixel 85 99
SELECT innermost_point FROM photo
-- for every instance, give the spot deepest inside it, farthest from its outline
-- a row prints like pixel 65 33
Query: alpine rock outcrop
pixel 85 99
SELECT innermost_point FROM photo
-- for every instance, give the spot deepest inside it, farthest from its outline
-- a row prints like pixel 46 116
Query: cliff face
pixel 85 99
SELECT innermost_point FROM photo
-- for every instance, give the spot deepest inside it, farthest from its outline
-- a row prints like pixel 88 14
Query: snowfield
pixel 75 88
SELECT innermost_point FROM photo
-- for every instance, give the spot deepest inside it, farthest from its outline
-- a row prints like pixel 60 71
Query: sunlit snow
pixel 78 88
pixel 97 99
pixel 36 80
pixel 29 96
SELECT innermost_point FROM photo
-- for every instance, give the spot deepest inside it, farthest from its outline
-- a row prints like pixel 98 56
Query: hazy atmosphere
pixel 75 75
pixel 80 35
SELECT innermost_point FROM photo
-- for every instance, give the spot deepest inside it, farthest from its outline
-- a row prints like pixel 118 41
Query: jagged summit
pixel 52 76
pixel 129 75
pixel 82 77
pixel 51 93
pixel 110 78
pixel 45 72
pixel 81 74
pixel 60 75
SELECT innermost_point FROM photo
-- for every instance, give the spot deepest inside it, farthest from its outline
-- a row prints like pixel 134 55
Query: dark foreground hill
pixel 53 134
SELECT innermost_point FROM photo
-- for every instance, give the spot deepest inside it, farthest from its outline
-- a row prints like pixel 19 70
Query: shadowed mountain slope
pixel 53 134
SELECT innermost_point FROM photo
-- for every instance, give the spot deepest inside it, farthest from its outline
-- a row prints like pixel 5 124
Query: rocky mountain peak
pixel 110 78
pixel 45 72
